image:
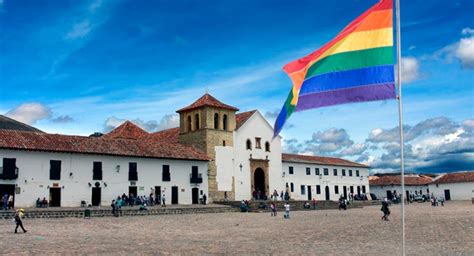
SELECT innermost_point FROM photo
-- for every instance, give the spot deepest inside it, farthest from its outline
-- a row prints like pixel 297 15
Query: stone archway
pixel 259 181
pixel 259 177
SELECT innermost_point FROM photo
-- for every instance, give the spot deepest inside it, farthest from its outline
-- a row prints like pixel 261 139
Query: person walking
pixel 274 209
pixel 163 200
pixel 10 202
pixel 385 210
pixel 287 211
pixel 113 205
pixel 18 216
pixel 314 203
pixel 204 199
pixel 5 202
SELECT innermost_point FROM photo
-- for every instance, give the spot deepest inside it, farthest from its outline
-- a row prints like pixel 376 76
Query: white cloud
pixel 467 31
pixel 79 30
pixel 166 122
pixel 465 52
pixel 30 113
pixel 410 69
pixel 353 150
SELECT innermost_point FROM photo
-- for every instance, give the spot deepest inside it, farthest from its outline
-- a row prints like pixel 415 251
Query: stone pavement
pixel 447 230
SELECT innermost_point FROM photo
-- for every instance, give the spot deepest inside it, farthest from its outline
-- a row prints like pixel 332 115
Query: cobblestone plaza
pixel 447 230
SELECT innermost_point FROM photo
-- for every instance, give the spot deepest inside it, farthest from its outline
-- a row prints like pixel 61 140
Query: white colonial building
pixel 454 186
pixel 387 186
pixel 324 178
pixel 451 186
pixel 215 151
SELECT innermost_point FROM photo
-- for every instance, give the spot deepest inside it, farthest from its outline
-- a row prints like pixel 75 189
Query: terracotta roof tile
pixel 127 130
pixel 241 118
pixel 207 100
pixel 19 140
pixel 170 135
pixel 397 180
pixel 293 158
pixel 458 177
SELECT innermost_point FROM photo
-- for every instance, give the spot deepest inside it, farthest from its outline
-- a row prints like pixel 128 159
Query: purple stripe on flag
pixel 349 95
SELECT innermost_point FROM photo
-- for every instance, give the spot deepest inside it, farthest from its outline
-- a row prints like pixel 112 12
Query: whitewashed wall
pixel 381 191
pixel 299 177
pixel 256 126
pixel 34 167
pixel 225 167
pixel 458 191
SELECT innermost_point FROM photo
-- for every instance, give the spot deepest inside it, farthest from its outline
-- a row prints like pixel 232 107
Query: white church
pixel 215 151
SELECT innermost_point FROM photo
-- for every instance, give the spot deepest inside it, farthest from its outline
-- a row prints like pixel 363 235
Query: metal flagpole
pixel 400 121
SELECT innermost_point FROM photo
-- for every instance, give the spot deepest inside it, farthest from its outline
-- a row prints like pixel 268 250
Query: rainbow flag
pixel 356 66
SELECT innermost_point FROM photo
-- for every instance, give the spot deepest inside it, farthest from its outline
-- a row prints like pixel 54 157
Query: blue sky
pixel 77 67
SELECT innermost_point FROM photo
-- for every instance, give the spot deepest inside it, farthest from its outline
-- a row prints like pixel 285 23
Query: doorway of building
pixel 344 192
pixel 326 191
pixel 358 190
pixel 158 194
pixel 310 195
pixel 195 195
pixel 259 181
pixel 55 197
pixel 447 194
pixel 7 189
pixel 174 195
pixel 132 191
pixel 389 195
pixel 96 196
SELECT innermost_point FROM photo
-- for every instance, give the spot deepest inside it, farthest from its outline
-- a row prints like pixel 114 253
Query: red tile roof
pixel 170 135
pixel 34 141
pixel 241 118
pixel 293 158
pixel 410 180
pixel 127 130
pixel 207 100
pixel 458 177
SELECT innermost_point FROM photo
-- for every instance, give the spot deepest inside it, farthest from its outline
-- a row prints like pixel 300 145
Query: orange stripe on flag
pixel 376 20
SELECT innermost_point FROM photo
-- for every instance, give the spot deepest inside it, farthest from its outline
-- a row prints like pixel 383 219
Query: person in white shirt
pixel 287 211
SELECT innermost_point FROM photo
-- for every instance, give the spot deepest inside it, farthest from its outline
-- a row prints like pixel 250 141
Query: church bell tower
pixel 205 124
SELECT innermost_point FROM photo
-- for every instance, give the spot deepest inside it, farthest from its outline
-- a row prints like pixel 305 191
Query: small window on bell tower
pixel 190 123
pixel 216 121
pixel 224 122
pixel 196 120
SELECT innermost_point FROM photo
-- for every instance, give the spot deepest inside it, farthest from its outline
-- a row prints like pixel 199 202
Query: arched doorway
pixel 326 191
pixel 259 181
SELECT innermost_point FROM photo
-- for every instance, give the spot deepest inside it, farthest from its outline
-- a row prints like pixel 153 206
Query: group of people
pixel 343 203
pixel 41 203
pixel 273 210
pixel 437 201
pixel 142 201
pixel 7 202
pixel 275 196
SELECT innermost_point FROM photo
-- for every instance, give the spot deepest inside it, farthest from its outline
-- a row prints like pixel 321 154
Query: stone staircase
pixel 126 211
pixel 255 205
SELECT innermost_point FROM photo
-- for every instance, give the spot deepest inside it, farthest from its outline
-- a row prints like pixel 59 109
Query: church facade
pixel 215 151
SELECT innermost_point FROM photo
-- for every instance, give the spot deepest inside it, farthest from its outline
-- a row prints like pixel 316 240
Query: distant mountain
pixel 7 123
